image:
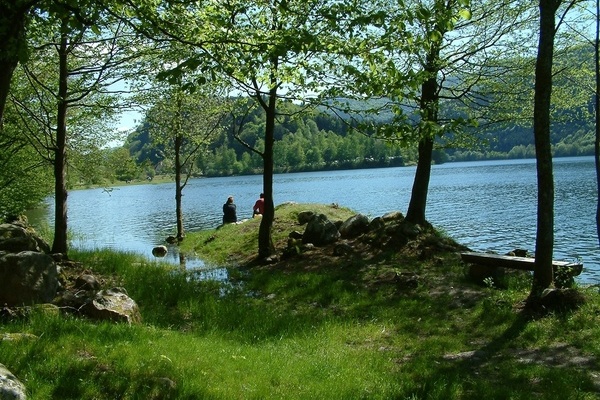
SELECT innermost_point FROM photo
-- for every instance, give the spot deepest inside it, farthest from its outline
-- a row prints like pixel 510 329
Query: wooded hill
pixel 323 141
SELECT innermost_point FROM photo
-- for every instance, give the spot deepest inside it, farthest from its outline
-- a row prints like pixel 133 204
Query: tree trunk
pixel 178 187
pixel 265 242
pixel 13 16
pixel 60 155
pixel 543 275
pixel 429 112
pixel 418 197
pixel 597 110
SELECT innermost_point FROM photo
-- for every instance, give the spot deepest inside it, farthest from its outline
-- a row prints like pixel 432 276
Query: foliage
pixel 123 165
pixel 24 180
pixel 313 142
pixel 305 142
pixel 189 120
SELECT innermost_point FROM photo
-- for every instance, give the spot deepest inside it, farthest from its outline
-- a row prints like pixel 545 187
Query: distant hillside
pixel 323 139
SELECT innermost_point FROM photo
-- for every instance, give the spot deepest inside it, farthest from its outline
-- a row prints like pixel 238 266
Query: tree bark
pixel 178 187
pixel 543 274
pixel 429 112
pixel 60 244
pixel 418 197
pixel 265 242
pixel 597 111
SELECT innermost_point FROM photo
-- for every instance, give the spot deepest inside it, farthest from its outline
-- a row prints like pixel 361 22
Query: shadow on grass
pixel 502 368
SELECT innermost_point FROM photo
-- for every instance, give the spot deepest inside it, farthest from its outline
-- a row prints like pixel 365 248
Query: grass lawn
pixel 379 322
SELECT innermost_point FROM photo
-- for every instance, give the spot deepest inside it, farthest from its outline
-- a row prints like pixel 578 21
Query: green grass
pixel 235 243
pixel 323 332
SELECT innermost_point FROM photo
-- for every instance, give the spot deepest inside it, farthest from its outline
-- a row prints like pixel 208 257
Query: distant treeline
pixel 321 141
pixel 568 140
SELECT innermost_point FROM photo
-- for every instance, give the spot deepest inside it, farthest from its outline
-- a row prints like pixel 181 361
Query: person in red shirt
pixel 259 206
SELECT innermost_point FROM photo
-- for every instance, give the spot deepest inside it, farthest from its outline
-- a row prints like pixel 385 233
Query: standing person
pixel 259 206
pixel 229 211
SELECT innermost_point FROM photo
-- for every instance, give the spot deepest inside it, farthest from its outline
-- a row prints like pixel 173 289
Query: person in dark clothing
pixel 259 206
pixel 229 211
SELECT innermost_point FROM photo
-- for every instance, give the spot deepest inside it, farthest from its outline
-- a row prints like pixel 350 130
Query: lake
pixel 486 205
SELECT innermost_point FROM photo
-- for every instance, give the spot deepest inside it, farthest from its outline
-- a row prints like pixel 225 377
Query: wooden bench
pixel 522 263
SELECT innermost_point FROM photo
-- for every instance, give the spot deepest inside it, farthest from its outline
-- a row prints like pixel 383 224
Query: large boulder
pixel 16 238
pixel 320 231
pixel 10 387
pixel 354 226
pixel 113 305
pixel 27 277
pixel 105 305
pixel 376 223
pixel 304 217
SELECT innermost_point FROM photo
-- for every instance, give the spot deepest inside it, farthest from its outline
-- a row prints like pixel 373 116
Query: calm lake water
pixel 488 205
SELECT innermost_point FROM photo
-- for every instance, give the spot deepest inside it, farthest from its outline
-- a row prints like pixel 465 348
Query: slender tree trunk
pixel 178 187
pixel 265 242
pixel 13 17
pixel 597 110
pixel 429 112
pixel 543 274
pixel 418 197
pixel 60 155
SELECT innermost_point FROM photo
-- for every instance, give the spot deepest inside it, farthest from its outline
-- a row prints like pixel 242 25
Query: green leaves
pixel 465 14
pixel 435 36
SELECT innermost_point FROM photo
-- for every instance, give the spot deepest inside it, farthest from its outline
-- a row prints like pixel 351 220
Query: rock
pixel 74 300
pixel 518 253
pixel 15 238
pixel 113 305
pixel 354 226
pixel 59 257
pixel 293 247
pixel 485 275
pixel 271 259
pixel 561 299
pixel 10 387
pixel 294 242
pixel 393 216
pixel 27 278
pixel 159 251
pixel 407 280
pixel 26 312
pixel 304 217
pixel 87 282
pixel 342 249
pixel 295 235
pixel 376 223
pixel 410 231
pixel 320 231
pixel 171 239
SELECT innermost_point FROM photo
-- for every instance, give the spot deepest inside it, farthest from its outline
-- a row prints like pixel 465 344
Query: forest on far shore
pixel 322 141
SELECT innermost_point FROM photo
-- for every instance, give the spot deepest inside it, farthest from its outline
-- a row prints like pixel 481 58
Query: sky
pixel 129 120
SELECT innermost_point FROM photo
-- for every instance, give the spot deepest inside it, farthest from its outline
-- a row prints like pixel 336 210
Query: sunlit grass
pixel 233 243
pixel 304 334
